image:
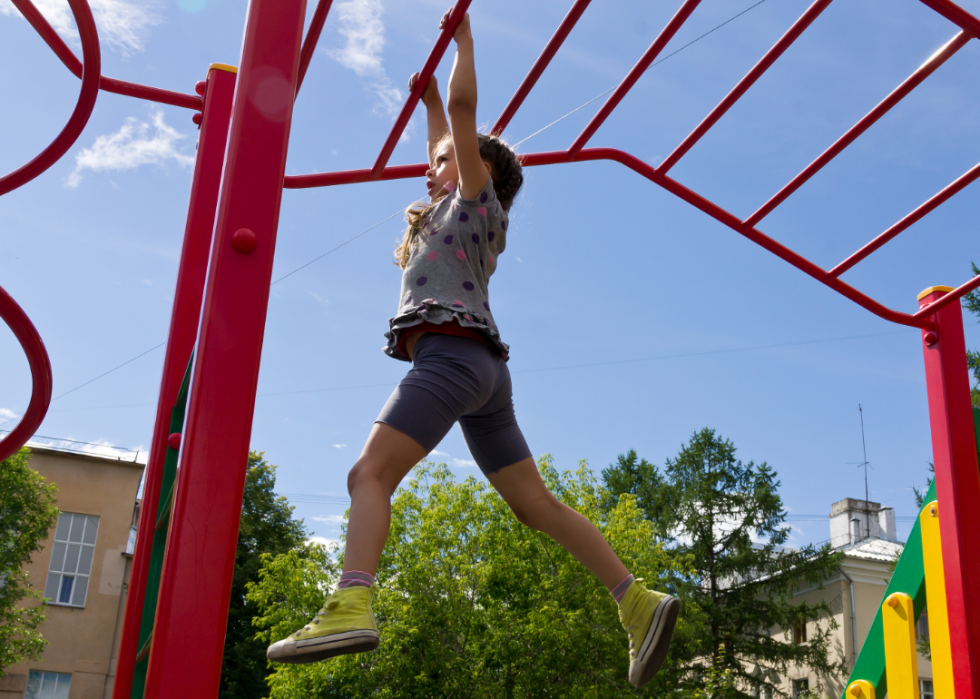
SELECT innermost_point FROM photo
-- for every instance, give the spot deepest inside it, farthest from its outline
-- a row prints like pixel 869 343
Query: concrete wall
pixel 81 640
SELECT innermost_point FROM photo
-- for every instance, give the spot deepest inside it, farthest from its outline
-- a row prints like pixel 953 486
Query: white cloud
pixel 319 299
pixel 329 543
pixel 329 519
pixel 131 147
pixel 463 463
pixel 123 25
pixel 449 458
pixel 7 413
pixel 338 446
pixel 364 34
pixel 436 452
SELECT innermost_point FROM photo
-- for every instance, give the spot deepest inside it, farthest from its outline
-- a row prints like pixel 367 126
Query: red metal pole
pixel 957 484
pixel 312 37
pixel 186 314
pixel 192 613
pixel 564 29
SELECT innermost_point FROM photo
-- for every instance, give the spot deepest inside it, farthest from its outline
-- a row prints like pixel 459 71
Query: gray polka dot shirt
pixel 450 265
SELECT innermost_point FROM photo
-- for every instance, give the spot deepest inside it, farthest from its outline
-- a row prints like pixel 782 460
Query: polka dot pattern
pixel 475 238
pixel 468 286
pixel 483 197
pixel 486 305
pixel 458 304
pixel 432 256
pixel 463 217
pixel 460 254
pixel 448 240
pixel 421 281
pixel 490 236
pixel 482 210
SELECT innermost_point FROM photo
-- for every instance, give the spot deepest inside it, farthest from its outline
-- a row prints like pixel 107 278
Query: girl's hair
pixel 505 171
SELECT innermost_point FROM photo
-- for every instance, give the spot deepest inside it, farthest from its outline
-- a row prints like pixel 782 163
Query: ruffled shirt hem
pixel 430 311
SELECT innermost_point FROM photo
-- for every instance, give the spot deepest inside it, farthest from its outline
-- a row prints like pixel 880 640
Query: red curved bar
pixel 83 108
pixel 119 87
pixel 25 332
pixel 539 65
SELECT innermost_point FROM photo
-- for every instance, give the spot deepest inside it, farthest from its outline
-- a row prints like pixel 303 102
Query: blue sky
pixel 634 319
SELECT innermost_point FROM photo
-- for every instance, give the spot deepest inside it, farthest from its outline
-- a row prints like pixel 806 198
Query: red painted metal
pixel 957 488
pixel 83 108
pixel 745 83
pixel 312 37
pixel 188 295
pixel 899 227
pixel 119 87
pixel 442 43
pixel 955 294
pixel 635 74
pixel 539 65
pixel 189 629
pixel 955 14
pixel 882 108
pixel 37 358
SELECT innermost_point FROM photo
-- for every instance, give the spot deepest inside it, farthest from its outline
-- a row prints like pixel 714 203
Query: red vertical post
pixel 192 613
pixel 957 483
pixel 189 292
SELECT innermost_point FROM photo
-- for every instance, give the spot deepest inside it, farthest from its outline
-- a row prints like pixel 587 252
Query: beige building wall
pixel 83 641
pixel 870 576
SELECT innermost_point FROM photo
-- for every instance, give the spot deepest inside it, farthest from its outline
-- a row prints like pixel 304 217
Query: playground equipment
pixel 173 633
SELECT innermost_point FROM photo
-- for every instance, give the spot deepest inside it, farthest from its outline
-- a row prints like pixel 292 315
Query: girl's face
pixel 442 172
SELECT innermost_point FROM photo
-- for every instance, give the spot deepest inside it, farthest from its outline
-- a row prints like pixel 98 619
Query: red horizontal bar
pixel 312 37
pixel 539 65
pixel 119 87
pixel 745 83
pixel 937 199
pixel 635 73
pixel 882 108
pixel 953 295
pixel 955 14
pixel 459 11
pixel 329 179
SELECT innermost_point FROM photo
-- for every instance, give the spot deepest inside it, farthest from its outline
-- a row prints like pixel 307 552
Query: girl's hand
pixel 462 29
pixel 431 93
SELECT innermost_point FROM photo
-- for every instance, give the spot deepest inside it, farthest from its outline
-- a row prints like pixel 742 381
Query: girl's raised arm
pixel 434 112
pixel 473 172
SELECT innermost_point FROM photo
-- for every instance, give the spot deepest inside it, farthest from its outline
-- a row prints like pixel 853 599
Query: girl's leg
pixel 387 457
pixel 521 487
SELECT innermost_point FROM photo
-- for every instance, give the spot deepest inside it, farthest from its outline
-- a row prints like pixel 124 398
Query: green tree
pixel 27 513
pixel 470 603
pixel 266 527
pixel 631 475
pixel 972 303
pixel 728 517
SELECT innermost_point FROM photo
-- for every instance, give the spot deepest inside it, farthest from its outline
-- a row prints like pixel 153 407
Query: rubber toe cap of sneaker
pixel 280 649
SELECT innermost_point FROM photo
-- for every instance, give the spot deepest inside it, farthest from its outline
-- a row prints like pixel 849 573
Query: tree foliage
pixel 266 528
pixel 972 303
pixel 728 517
pixel 27 514
pixel 470 603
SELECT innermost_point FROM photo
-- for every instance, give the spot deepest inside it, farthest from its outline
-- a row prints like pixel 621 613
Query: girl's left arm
pixel 461 106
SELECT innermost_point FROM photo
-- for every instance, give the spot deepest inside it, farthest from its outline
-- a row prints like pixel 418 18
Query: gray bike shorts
pixel 458 379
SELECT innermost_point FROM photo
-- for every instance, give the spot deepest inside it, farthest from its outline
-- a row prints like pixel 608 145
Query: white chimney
pixel 886 522
pixel 869 522
pixel 856 530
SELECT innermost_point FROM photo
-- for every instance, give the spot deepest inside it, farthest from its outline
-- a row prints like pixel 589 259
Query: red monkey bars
pixel 185 657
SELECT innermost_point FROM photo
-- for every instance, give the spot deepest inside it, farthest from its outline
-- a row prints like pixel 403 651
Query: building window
pixel 47 685
pixel 922 627
pixel 799 632
pixel 71 559
pixel 766 692
pixel 925 690
pixel 801 689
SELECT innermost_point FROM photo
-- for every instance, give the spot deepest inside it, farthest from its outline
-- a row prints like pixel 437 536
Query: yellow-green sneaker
pixel 345 625
pixel 649 619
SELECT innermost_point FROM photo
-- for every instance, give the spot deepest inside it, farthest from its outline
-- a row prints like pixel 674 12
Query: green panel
pixel 167 486
pixel 909 577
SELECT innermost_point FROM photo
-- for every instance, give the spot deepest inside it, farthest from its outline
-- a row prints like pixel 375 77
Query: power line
pixel 120 366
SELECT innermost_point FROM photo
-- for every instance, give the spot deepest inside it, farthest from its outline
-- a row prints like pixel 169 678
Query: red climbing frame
pixel 185 657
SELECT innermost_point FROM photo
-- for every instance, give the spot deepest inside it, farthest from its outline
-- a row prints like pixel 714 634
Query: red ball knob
pixel 244 240
pixel 197 118
pixel 199 87
pixel 173 441
pixel 930 338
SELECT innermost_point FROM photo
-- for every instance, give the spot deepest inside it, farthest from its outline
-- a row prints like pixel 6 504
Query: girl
pixel 444 326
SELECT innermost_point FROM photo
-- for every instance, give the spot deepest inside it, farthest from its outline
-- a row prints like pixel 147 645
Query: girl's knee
pixel 364 473
pixel 537 512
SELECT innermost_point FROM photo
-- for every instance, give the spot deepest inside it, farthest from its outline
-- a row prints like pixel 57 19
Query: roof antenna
pixel 867 513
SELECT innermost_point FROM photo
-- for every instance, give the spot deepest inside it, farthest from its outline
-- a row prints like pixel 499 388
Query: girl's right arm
pixel 435 114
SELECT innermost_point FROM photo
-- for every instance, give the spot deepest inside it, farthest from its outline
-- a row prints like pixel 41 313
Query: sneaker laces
pixel 629 628
pixel 332 603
